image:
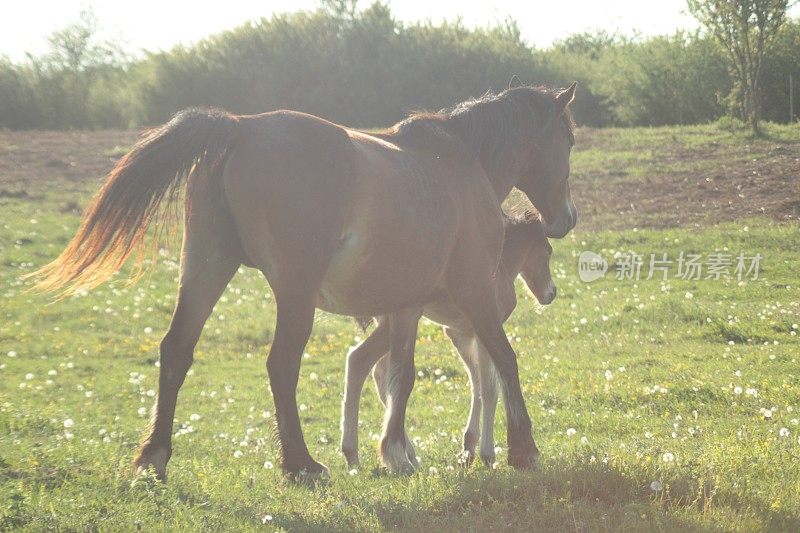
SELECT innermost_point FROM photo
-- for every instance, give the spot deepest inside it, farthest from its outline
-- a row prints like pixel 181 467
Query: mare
pixel 356 223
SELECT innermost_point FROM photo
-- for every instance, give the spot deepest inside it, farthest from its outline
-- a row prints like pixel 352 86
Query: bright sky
pixel 159 24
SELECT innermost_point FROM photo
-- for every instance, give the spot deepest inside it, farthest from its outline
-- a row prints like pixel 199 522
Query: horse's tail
pixel 116 221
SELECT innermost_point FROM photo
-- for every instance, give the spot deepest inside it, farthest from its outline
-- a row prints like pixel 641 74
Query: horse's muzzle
pixel 560 228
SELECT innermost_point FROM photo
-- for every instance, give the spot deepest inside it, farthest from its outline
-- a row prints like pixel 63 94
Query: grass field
pixel 656 404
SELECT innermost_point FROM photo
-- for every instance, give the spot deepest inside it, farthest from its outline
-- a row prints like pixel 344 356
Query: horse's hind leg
pixel 292 329
pixel 359 363
pixel 380 375
pixel 207 265
pixel 400 381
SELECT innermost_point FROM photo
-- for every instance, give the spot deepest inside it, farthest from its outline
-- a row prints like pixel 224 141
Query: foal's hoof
pixel 466 458
pixel 411 454
pixel 155 459
pixel 488 459
pixel 528 460
pixel 396 458
pixel 351 456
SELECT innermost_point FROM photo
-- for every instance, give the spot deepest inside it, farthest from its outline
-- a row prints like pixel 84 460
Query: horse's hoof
pixel 310 474
pixel 155 459
pixel 524 461
pixel 395 457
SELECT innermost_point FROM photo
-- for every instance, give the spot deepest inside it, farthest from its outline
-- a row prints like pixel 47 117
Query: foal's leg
pixel 522 451
pixel 489 393
pixel 400 381
pixel 359 363
pixel 466 345
pixel 207 266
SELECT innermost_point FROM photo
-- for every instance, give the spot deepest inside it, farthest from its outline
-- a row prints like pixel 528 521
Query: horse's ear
pixel 565 97
pixel 514 82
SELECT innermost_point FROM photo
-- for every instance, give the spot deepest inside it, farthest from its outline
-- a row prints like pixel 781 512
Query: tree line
pixel 363 67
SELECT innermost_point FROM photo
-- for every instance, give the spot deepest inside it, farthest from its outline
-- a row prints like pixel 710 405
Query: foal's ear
pixel 565 97
pixel 514 82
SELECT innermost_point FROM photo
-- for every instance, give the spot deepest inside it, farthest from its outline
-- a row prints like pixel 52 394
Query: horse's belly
pixel 374 278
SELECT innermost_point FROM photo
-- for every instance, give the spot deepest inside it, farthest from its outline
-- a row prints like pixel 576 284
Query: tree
pixel 745 29
pixel 66 76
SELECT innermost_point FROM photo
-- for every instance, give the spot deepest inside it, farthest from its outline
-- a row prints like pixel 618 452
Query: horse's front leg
pixel 488 326
pixel 399 379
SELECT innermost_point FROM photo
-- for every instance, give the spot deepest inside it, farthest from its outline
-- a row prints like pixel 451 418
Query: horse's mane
pixel 488 125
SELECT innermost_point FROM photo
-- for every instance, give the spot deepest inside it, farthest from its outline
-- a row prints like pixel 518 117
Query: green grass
pixel 647 373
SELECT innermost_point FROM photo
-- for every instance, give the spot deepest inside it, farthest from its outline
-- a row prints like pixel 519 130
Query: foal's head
pixel 544 178
pixel 536 265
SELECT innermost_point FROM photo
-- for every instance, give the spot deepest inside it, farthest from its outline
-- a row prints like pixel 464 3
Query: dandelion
pixel 142 411
pixel 737 390
pixel 784 432
pixel 571 432
pixel 194 417
pixel 238 453
pixel 688 295
pixel 68 423
pixel 767 413
pixel 268 465
pixel 656 486
pixel 52 373
pixel 148 330
pixel 29 376
pixel 353 471
pixel 668 457
pixel 609 375
pixel 267 518
pixel 12 353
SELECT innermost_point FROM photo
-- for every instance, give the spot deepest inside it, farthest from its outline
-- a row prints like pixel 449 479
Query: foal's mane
pixel 490 124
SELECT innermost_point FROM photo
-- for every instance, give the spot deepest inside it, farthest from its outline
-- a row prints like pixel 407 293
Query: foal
pixel 526 251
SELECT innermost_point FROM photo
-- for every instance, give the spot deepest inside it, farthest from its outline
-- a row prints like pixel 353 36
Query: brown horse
pixel 526 252
pixel 354 223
